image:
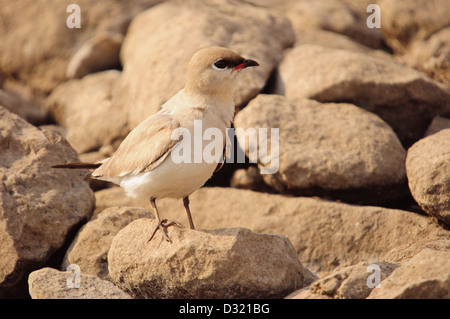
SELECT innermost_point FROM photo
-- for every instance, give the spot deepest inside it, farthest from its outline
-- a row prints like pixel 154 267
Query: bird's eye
pixel 220 65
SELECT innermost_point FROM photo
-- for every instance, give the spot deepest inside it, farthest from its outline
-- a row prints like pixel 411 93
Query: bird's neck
pixel 217 97
pixel 218 106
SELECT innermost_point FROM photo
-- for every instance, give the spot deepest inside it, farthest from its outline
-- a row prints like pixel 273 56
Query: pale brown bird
pixel 142 165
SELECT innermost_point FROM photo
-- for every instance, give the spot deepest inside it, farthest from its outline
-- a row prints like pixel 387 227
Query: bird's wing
pixel 144 149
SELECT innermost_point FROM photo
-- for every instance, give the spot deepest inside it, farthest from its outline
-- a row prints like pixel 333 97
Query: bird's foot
pixel 163 225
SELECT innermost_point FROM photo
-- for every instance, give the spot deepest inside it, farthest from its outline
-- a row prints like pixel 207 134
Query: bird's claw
pixel 163 225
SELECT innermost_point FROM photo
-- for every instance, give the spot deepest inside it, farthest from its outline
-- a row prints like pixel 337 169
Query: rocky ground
pixel 362 195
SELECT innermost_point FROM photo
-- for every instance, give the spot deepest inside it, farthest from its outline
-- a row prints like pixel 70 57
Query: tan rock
pixel 41 60
pixel 97 54
pixel 249 178
pixel 330 149
pixel 405 21
pixel 348 283
pixel 404 253
pixel 84 107
pixel 431 56
pixel 427 167
pixel 335 16
pixel 437 124
pixel 39 205
pixel 424 276
pixel 48 283
pixel 439 67
pixel 90 247
pixel 223 263
pixel 57 129
pixel 325 234
pixel 101 52
pixel 156 50
pixel 335 40
pixel 31 111
pixel 405 98
pixel 115 196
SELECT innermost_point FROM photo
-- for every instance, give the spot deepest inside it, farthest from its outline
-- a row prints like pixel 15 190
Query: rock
pixel 89 249
pixel 41 61
pixel 115 196
pixel 249 178
pixel 404 253
pixel 97 54
pixel 335 16
pixel 427 167
pixel 424 276
pixel 54 128
pixel 325 234
pixel 437 124
pixel 156 50
pixel 327 149
pixel 347 283
pixel 335 40
pixel 48 283
pixel 405 21
pixel 222 263
pixel 101 52
pixel 39 205
pixel 32 112
pixel 405 98
pixel 431 56
pixel 85 109
pixel 439 67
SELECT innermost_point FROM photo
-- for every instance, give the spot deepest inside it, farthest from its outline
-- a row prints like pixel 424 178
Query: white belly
pixel 168 180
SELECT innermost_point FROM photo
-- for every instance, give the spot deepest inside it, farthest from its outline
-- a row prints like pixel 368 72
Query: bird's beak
pixel 246 64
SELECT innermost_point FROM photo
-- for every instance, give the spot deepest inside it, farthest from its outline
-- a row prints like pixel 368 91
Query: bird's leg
pixel 188 211
pixel 162 224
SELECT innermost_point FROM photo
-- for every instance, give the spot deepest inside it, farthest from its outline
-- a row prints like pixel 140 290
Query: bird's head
pixel 213 71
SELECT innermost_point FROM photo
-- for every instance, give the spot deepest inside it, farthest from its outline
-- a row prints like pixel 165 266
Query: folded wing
pixel 144 149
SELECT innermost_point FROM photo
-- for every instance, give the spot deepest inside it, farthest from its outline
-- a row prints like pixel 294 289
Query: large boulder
pixel 325 234
pixel 222 263
pixel 328 149
pixel 156 50
pixel 39 205
pixel 405 98
pixel 84 107
pixel 427 168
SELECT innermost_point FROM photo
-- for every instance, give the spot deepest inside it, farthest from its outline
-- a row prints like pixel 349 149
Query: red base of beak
pixel 246 64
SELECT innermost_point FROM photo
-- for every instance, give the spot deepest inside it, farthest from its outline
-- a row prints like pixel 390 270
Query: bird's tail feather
pixel 78 165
